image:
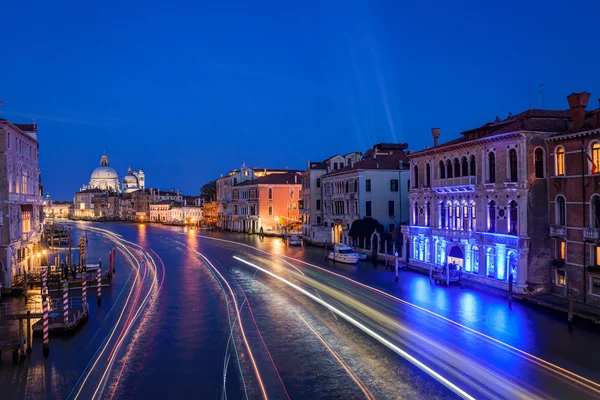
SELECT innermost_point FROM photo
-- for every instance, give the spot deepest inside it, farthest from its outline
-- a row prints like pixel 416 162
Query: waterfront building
pixel 267 204
pixel 376 186
pixel 21 200
pixel 225 185
pixel 311 204
pixel 57 209
pixel 573 169
pixel 480 202
pixel 209 213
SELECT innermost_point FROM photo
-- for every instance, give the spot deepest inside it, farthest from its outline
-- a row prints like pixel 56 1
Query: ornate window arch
pixel 456 167
pixel 427 175
pixel 475 260
pixel 473 215
pixel 491 262
pixel 416 213
pixel 442 170
pixel 464 166
pixel 427 214
pixel 513 217
pixel 448 168
pixel 465 215
pixel 416 176
pixel 472 165
pixel 457 220
pixel 442 214
pixel 595 211
pixel 450 215
pixel 491 220
pixel 513 165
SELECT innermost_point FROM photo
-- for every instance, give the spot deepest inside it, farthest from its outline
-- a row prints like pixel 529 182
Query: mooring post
pixel 44 281
pixel 396 255
pixel 570 310
pixel 21 339
pixel 46 346
pixel 66 303
pixel 99 281
pixel 84 292
pixel 28 331
pixel 25 284
pixel 510 290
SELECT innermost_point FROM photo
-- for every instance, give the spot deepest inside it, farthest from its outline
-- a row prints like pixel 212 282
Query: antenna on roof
pixel 541 89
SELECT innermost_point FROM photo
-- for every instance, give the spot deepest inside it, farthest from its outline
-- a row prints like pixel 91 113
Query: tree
pixel 208 191
pixel 363 228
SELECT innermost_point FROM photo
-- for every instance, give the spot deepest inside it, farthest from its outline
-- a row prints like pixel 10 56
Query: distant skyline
pixel 190 90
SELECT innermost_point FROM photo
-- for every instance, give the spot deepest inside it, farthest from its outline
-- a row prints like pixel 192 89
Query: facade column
pixel 467 257
pixel 501 267
pixel 522 272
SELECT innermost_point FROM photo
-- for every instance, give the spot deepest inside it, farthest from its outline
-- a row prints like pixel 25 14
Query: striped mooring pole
pixel 66 302
pixel 99 281
pixel 46 347
pixel 44 281
pixel 84 292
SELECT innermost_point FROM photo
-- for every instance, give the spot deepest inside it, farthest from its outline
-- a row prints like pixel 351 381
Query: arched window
pixel 512 163
pixel 560 161
pixel 473 216
pixel 427 214
pixel 450 216
pixel 492 216
pixel 415 248
pixel 442 211
pixel 538 161
pixel 449 169
pixel 427 175
pixel 595 212
pixel 491 262
pixel 513 266
pixel 465 166
pixel 595 158
pixel 456 168
pixel 491 167
pixel 416 177
pixel 427 250
pixel 513 219
pixel 561 211
pixel 465 216
pixel 457 216
pixel 472 166
pixel 442 170
pixel 416 213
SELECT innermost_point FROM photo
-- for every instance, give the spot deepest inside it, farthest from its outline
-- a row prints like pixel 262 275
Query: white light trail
pixel 458 391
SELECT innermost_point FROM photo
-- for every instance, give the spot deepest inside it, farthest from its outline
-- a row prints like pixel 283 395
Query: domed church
pixel 134 180
pixel 106 179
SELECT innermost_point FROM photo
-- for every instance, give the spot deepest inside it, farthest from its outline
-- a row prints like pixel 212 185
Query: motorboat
pixel 343 254
pixel 362 256
pixel 294 240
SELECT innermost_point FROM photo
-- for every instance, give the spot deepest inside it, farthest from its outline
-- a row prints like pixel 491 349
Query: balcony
pixel 26 198
pixel 591 234
pixel 456 234
pixel 558 231
pixel 455 185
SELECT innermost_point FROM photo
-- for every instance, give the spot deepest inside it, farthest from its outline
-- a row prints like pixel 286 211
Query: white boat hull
pixel 344 258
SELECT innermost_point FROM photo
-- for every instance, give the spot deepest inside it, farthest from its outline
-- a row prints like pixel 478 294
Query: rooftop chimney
pixel 436 135
pixel 578 102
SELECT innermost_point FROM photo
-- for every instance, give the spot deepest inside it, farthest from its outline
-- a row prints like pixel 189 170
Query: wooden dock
pixel 56 322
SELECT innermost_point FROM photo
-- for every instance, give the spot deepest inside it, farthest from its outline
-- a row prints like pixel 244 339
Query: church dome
pixel 130 182
pixel 104 177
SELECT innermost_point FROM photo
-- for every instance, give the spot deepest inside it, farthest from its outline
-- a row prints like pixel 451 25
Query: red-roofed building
pixel 573 169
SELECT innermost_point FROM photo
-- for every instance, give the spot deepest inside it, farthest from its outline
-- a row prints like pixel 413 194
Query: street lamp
pixel 45 253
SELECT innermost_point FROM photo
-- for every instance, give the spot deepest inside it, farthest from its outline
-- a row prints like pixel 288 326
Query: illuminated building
pixel 225 186
pixel 21 205
pixel 209 212
pixel 374 186
pixel 311 205
pixel 267 204
pixel 134 180
pixel 573 170
pixel 476 201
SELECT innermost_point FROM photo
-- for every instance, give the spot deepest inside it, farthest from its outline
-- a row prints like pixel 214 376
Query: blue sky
pixel 190 90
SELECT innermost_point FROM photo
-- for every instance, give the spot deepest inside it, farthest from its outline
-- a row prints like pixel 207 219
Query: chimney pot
pixel 578 102
pixel 435 132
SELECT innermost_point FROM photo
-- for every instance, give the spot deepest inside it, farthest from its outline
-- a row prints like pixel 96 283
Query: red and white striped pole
pixel 44 281
pixel 99 281
pixel 84 291
pixel 66 302
pixel 46 347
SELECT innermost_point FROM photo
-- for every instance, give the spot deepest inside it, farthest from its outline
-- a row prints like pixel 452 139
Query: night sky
pixel 191 90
